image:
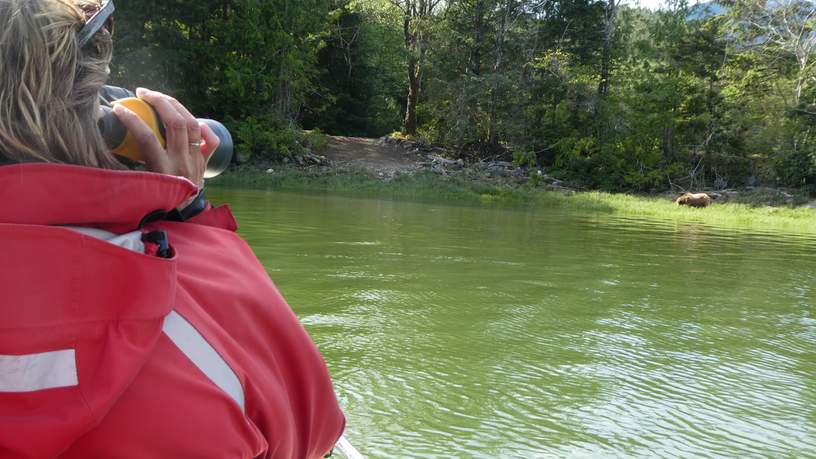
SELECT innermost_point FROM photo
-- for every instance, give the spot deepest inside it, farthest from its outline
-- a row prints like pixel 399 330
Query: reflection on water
pixel 470 332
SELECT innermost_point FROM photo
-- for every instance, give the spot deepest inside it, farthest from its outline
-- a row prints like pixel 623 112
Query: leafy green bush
pixel 315 139
pixel 798 169
pixel 630 164
pixel 273 137
pixel 523 158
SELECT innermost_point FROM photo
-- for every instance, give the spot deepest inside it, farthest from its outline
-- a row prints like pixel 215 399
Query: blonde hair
pixel 49 87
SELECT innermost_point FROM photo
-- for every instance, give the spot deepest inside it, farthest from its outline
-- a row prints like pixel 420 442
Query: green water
pixel 474 332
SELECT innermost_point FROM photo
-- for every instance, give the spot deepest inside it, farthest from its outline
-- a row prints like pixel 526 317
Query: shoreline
pixel 750 210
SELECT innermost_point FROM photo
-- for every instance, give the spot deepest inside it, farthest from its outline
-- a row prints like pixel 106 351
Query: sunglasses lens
pixel 90 12
pixel 96 18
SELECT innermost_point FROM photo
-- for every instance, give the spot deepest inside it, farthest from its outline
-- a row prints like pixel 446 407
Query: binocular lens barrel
pixel 119 141
pixel 222 156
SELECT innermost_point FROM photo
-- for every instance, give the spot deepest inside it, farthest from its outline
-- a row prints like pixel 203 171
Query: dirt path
pixel 367 153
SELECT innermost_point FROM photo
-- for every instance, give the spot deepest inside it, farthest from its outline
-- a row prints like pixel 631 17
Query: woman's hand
pixel 189 143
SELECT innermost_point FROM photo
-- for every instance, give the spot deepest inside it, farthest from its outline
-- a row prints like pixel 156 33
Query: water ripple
pixel 481 333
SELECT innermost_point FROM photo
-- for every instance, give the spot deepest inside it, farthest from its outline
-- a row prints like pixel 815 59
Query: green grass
pixel 727 215
pixel 474 190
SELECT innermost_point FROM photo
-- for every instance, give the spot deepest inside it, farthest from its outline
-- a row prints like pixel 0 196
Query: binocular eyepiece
pixel 122 143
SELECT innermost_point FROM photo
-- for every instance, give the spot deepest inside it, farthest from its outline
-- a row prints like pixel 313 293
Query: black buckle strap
pixel 160 239
pixel 156 215
pixel 198 205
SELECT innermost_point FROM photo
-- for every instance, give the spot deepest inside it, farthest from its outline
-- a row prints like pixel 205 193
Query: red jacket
pixel 109 353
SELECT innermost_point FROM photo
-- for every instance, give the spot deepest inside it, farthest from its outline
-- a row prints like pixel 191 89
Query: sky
pixel 652 4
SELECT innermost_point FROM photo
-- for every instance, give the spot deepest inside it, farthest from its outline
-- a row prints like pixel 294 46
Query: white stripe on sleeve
pixel 33 372
pixel 199 351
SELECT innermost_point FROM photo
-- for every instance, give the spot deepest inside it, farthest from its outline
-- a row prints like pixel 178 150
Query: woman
pixel 124 334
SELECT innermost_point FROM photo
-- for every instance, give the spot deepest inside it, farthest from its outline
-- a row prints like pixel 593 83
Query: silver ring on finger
pixel 195 144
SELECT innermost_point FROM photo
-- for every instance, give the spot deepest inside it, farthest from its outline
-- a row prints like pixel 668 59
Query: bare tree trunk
pixel 284 85
pixel 787 25
pixel 803 74
pixel 609 41
pixel 410 122
pixel 413 13
pixel 478 33
pixel 668 143
pixel 710 125
pixel 492 131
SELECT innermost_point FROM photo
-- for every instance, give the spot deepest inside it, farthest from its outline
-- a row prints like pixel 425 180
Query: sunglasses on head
pixel 95 19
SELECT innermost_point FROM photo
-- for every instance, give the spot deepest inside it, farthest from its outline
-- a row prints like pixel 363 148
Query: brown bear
pixel 694 200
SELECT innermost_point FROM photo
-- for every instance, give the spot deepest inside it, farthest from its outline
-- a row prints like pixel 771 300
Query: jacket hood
pixel 79 316
pixel 56 194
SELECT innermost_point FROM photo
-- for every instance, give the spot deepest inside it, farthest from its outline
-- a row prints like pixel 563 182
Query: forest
pixel 607 95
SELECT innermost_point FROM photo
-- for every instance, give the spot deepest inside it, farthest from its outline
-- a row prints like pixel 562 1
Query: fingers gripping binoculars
pixel 122 143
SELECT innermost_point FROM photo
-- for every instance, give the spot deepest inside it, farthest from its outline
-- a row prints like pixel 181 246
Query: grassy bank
pixel 465 188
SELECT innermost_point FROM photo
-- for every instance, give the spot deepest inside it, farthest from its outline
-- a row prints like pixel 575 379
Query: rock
pixel 504 168
pixel 446 163
pixel 310 159
pixel 269 171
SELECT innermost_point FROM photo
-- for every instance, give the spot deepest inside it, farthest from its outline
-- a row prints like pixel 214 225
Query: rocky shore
pixel 389 157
